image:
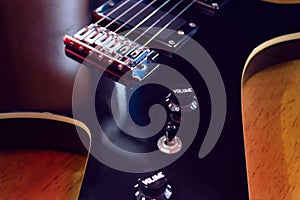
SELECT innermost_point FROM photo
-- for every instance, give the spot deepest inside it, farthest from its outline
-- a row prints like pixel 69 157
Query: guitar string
pixel 162 17
pixel 148 17
pixel 124 13
pixel 163 28
pixel 106 16
pixel 134 16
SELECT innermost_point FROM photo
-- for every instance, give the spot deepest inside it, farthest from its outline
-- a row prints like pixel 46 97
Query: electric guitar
pixel 205 167
pixel 127 53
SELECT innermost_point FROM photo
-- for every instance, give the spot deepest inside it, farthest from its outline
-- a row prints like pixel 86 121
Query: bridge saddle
pixel 102 48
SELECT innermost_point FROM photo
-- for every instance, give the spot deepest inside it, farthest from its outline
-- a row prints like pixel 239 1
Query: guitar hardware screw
pixel 215 5
pixel 81 48
pixel 120 67
pixel 192 24
pixel 100 57
pixel 171 42
pixel 111 4
pixel 180 32
pixel 140 67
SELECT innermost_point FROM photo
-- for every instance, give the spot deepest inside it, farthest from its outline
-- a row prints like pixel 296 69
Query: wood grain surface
pixel 271 113
pixel 36 175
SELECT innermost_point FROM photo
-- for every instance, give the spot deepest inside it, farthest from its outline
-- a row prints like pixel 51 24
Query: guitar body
pixel 220 174
pixel 44 78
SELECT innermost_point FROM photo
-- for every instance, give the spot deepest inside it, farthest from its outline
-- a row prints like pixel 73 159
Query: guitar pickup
pixel 111 52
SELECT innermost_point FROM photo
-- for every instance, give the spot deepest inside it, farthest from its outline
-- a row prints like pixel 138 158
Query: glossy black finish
pixel 229 38
pixel 35 74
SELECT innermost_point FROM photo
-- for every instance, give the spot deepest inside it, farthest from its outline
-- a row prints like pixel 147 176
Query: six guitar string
pixel 107 16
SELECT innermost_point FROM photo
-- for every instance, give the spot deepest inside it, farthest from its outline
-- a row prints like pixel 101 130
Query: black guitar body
pixel 228 37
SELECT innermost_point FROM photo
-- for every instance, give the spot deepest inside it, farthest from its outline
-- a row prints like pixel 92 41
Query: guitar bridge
pixel 101 47
pixel 128 57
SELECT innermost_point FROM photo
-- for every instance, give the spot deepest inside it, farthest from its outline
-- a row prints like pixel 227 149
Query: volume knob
pixel 186 96
pixel 155 187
